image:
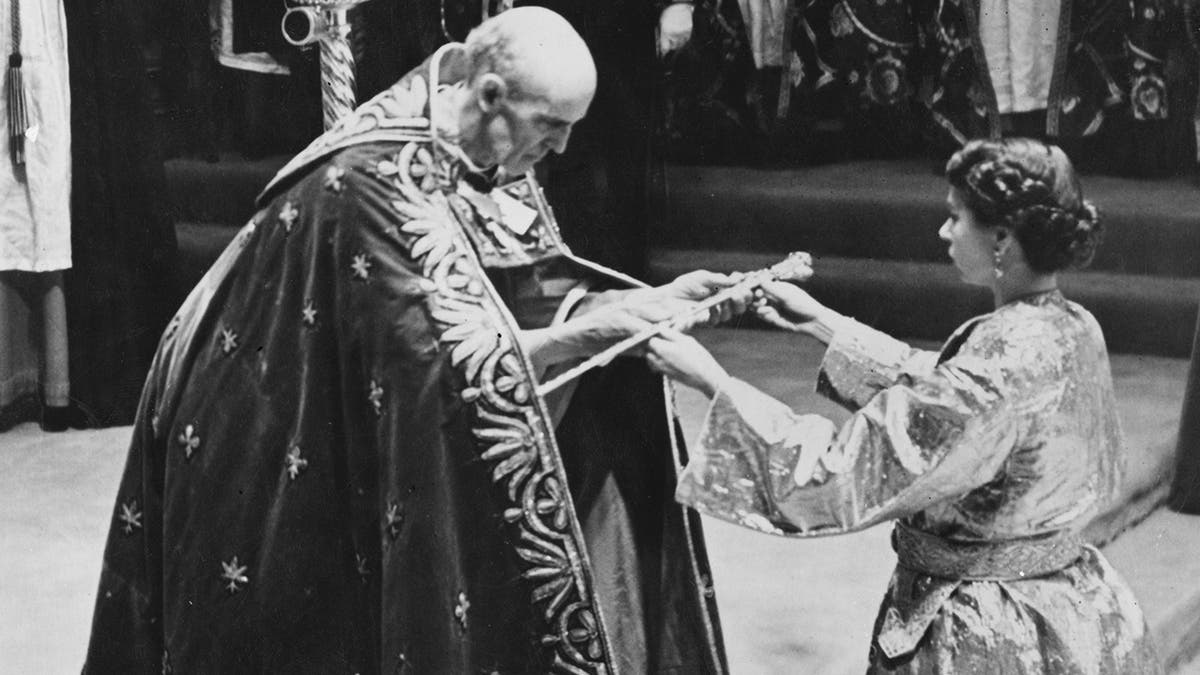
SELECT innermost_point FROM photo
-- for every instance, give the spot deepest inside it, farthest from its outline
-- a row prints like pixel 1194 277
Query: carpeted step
pixel 1158 559
pixel 926 300
pixel 891 210
pixel 199 246
pixel 220 192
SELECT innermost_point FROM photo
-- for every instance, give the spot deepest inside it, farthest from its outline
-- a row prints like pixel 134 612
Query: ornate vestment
pixel 341 463
pixel 992 455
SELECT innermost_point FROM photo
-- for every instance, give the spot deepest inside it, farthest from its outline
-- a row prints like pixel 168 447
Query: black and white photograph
pixel 641 337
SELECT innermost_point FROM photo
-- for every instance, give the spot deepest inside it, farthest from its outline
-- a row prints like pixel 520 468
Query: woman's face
pixel 972 246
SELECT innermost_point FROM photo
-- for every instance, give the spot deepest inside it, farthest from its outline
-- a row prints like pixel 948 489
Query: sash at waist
pixel 984 560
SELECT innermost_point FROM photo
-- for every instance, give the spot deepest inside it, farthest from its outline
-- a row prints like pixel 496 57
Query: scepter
pixel 797 266
pixel 326 22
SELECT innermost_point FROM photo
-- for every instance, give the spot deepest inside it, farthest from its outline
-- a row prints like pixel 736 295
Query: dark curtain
pixel 122 239
pixel 601 187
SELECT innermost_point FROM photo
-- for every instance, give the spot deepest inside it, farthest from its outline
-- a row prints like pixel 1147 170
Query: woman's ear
pixel 491 92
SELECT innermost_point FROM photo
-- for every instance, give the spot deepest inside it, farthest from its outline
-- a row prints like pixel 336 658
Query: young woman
pixel 991 455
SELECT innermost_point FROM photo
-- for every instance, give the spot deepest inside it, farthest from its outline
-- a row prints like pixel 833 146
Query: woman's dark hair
pixel 1030 187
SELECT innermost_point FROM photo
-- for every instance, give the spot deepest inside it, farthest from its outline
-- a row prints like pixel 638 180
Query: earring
pixel 998 264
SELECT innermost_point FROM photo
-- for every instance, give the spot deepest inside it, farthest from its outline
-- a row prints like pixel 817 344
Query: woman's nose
pixel 944 230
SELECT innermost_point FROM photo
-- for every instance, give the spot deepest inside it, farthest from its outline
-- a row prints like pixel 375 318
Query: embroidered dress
pixel 992 456
pixel 341 463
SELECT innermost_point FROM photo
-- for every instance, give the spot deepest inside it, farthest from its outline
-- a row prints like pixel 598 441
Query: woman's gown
pixel 1006 442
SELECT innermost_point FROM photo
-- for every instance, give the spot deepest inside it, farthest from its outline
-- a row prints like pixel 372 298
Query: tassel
pixel 18 115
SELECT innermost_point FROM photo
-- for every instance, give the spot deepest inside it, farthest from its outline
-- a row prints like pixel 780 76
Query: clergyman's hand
pixel 686 361
pixel 702 284
pixel 582 336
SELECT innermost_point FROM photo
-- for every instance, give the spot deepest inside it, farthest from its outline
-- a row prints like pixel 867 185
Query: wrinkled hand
pixel 674 27
pixel 686 361
pixel 582 336
pixel 702 284
pixel 656 308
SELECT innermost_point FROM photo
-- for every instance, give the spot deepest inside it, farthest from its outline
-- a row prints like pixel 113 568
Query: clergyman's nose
pixel 558 142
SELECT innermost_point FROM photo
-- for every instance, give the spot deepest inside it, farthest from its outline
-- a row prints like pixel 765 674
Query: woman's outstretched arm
pixel 759 464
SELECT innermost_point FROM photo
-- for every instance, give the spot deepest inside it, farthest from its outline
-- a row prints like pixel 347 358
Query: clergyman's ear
pixel 492 91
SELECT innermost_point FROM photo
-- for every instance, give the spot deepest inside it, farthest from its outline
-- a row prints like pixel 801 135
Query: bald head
pixel 531 79
pixel 535 51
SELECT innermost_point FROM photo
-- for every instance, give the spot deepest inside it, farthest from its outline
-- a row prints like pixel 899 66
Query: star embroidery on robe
pixel 361 266
pixel 360 564
pixel 376 398
pixel 131 517
pixel 333 179
pixel 395 518
pixel 235 574
pixel 309 314
pixel 229 341
pixel 288 215
pixel 460 610
pixel 189 440
pixel 295 463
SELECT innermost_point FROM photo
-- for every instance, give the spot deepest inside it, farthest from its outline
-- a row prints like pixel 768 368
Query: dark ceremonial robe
pixel 341 463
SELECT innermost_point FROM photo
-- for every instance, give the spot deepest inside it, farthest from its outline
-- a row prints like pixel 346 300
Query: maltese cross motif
pixel 309 313
pixel 460 610
pixel 333 179
pixel 295 463
pixel 131 517
pixel 189 440
pixel 287 216
pixel 395 519
pixel 235 574
pixel 361 267
pixel 376 397
pixel 229 341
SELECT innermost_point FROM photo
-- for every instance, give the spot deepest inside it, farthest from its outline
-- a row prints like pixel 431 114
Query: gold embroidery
pixel 513 434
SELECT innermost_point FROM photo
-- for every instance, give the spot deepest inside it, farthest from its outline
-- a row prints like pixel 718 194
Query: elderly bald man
pixel 341 463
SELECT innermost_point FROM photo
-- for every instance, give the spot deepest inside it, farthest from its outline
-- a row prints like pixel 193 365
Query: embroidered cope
pixel 341 465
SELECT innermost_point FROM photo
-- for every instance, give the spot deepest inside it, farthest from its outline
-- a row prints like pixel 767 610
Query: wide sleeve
pixel 861 361
pixel 914 443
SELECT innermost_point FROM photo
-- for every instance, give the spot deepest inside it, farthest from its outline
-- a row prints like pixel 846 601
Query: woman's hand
pixel 686 361
pixel 790 307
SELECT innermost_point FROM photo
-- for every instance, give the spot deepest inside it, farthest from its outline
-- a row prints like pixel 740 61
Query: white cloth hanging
pixel 1019 39
pixel 35 211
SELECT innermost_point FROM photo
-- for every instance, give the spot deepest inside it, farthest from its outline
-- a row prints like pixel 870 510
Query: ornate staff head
pixel 308 22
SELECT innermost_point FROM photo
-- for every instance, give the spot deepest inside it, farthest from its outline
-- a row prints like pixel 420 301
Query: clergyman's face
pixel 528 128
pixel 972 245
